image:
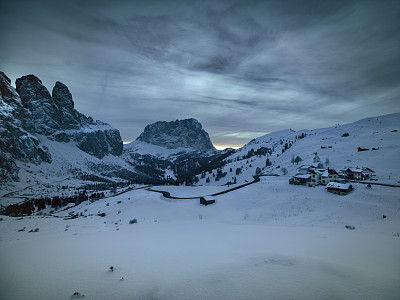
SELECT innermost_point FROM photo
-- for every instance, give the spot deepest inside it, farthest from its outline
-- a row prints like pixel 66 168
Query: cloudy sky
pixel 242 68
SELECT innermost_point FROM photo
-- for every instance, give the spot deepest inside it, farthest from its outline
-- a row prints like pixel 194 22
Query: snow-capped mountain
pixel 44 139
pixel 336 147
pixel 42 136
pixel 54 116
pixel 172 149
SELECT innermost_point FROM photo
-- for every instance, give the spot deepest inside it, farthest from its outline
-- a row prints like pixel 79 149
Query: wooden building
pixel 339 188
pixel 302 179
pixel 206 200
pixel 353 173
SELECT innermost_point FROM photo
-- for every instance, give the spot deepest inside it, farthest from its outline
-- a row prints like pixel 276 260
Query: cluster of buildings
pixel 335 181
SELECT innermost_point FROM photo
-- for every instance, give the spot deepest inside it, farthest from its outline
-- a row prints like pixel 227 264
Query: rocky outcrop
pixel 186 133
pixel 7 93
pixel 29 111
pixel 70 118
pixel 36 98
pixel 16 143
pixel 99 142
pixel 55 116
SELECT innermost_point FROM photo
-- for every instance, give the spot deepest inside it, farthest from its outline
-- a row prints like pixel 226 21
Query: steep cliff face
pixel 70 118
pixel 16 143
pixel 98 139
pixel 29 112
pixel 45 117
pixel 55 116
pixel 186 133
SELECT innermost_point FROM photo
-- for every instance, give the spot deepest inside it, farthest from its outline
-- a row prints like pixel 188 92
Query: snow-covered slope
pixel 270 240
pixel 337 148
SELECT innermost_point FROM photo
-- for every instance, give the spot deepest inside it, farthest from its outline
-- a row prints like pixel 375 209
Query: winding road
pixel 256 179
pixel 168 195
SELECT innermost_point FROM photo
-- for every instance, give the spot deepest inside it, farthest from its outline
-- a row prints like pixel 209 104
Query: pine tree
pixel 298 159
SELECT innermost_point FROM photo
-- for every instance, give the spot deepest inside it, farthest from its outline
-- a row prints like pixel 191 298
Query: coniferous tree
pixel 298 159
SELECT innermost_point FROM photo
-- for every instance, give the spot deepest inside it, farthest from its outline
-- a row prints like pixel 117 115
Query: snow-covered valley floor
pixel 269 240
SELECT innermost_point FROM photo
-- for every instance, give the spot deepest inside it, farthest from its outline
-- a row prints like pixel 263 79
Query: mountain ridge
pixel 43 136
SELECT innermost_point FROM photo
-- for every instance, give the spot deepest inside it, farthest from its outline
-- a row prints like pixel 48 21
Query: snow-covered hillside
pixel 337 145
pixel 269 240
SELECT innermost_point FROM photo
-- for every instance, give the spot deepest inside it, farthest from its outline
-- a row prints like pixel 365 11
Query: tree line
pixel 28 207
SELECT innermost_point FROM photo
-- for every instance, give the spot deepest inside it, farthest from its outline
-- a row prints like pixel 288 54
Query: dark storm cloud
pixel 243 68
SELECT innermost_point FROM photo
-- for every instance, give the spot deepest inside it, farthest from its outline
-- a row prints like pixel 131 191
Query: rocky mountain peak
pixel 186 133
pixel 70 118
pixel 62 96
pixel 31 88
pixel 7 92
pixel 34 111
pixel 37 99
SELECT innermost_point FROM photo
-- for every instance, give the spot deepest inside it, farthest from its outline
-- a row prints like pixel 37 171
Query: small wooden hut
pixel 206 200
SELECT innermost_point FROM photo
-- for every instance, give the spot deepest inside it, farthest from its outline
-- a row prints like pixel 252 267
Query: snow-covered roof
pixel 355 170
pixel 306 167
pixel 325 173
pixel 337 185
pixel 208 198
pixel 305 176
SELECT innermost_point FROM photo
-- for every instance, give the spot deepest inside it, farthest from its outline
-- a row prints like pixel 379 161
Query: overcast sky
pixel 242 68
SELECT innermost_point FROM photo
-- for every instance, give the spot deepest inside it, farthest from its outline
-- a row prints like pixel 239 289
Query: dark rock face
pixel 98 139
pixel 16 142
pixel 56 117
pixel 6 92
pixel 30 110
pixel 100 143
pixel 36 98
pixel 70 118
pixel 186 133
pixel 62 97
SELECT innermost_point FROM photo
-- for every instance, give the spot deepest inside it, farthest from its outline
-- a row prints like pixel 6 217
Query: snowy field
pixel 269 240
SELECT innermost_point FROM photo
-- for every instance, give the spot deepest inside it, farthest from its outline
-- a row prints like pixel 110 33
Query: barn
pixel 206 200
pixel 339 188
